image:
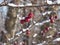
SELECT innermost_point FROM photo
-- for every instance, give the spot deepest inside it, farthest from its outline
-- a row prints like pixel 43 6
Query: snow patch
pixel 50 36
pixel 57 39
pixel 34 35
pixel 42 22
pixel 20 5
pixel 42 43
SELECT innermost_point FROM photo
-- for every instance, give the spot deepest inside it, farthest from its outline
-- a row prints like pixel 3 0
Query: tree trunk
pixel 11 18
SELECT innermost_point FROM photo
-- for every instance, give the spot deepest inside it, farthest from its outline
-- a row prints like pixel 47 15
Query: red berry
pixel 27 32
pixel 42 33
pixel 45 31
pixel 52 21
pixel 47 28
pixel 22 21
pixel 27 19
pixel 55 17
pixel 51 17
pixel 30 15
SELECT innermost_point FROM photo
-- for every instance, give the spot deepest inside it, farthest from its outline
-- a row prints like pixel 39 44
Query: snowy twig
pixel 43 22
pixel 47 12
pixel 50 36
pixel 27 5
pixel 57 39
pixel 34 35
pixel 42 43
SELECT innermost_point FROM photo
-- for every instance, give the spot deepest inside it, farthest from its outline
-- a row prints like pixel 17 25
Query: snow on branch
pixel 42 43
pixel 13 5
pixel 42 22
pixel 57 39
pixel 31 25
pixel 29 5
pixel 34 35
pixel 26 5
pixel 20 5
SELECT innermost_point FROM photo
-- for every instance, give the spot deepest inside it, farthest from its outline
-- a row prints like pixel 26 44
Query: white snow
pixel 45 21
pixel 50 27
pixel 44 13
pixel 34 35
pixel 57 39
pixel 49 2
pixel 10 38
pixel 33 42
pixel 13 5
pixel 42 43
pixel 27 28
pixel 20 5
pixel 50 36
pixel 39 24
pixel 20 18
pixel 47 12
pixel 28 4
pixel 58 1
pixel 19 33
pixel 30 26
pixel 21 43
pixel 24 30
pixel 17 15
pixel 58 32
pixel 42 22
pixel 34 22
pixel 58 14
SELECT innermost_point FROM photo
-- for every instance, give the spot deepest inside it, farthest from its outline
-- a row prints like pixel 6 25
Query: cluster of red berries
pixel 27 33
pixel 27 19
pixel 52 18
pixel 45 30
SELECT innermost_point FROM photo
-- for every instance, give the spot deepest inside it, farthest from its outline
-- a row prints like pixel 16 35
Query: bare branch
pixel 22 6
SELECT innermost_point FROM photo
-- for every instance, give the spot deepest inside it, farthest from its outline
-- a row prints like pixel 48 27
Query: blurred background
pixel 37 24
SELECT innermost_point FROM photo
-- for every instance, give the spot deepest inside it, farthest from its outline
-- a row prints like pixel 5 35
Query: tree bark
pixel 11 18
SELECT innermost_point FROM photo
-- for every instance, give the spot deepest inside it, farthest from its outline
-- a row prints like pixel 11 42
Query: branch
pixel 30 5
pixel 27 5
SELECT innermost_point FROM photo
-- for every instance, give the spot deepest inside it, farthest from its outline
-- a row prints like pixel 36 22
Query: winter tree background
pixel 34 26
